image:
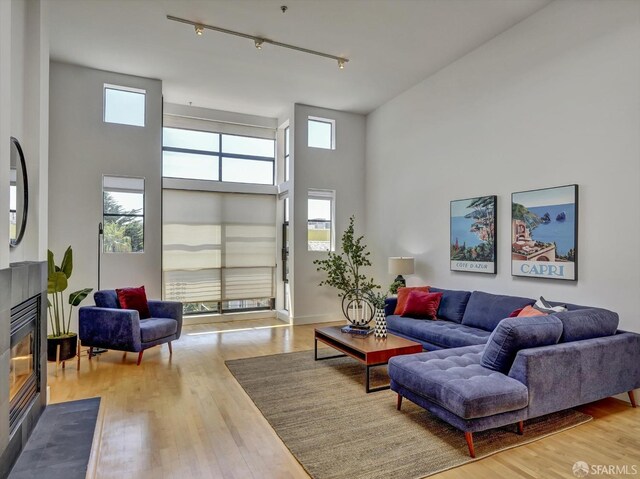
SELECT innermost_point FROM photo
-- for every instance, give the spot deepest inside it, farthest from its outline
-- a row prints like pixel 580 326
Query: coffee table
pixel 368 350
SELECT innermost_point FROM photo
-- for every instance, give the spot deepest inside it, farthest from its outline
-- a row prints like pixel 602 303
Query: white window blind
pixel 218 246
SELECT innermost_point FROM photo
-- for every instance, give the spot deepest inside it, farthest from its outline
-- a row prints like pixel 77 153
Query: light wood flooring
pixel 187 417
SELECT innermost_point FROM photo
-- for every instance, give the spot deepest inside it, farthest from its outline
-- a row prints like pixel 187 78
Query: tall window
pixel 124 105
pixel 287 160
pixel 123 214
pixel 205 155
pixel 219 250
pixel 321 133
pixel 320 223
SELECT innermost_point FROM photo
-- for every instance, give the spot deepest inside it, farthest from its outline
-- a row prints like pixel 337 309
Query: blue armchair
pixel 106 325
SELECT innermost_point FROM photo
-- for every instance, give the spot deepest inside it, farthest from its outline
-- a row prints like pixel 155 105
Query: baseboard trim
pixel 227 317
pixel 316 318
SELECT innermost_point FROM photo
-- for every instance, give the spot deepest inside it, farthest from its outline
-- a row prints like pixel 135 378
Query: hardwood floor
pixel 185 416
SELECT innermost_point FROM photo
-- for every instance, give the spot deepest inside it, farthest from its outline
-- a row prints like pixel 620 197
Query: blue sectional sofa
pixel 484 370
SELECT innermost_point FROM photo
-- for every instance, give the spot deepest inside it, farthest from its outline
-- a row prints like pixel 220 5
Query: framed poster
pixel 544 233
pixel 472 235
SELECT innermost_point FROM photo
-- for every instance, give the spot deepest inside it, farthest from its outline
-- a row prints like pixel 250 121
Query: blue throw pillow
pixel 587 323
pixel 106 298
pixel 513 334
pixel 452 304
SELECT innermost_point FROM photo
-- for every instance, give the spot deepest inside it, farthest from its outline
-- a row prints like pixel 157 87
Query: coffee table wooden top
pixel 368 350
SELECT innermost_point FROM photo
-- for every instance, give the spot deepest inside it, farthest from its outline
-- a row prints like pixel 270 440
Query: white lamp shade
pixel 401 265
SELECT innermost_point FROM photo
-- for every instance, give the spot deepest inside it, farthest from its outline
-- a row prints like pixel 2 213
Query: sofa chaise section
pixel 528 367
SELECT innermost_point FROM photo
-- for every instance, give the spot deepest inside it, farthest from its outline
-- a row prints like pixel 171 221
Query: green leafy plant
pixel 343 268
pixel 58 281
pixel 376 299
pixel 393 288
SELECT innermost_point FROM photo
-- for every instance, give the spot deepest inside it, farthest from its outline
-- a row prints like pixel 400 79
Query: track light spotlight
pixel 341 64
pixel 199 29
pixel 259 42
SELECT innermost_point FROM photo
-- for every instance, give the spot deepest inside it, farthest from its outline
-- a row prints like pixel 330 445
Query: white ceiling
pixel 391 44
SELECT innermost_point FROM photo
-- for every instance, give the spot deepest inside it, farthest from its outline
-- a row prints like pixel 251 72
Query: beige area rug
pixel 335 430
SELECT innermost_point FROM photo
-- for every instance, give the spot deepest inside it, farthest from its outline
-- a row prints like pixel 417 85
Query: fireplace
pixel 24 367
pixel 23 356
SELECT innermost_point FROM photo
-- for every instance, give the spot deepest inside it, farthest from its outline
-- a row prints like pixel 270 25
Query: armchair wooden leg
pixel 140 357
pixel 399 402
pixel 521 427
pixel 469 437
pixel 632 398
pixel 90 352
pixel 170 349
pixel 78 354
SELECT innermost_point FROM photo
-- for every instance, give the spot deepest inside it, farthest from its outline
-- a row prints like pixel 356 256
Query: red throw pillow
pixel 515 313
pixel 421 305
pixel 403 294
pixel 134 298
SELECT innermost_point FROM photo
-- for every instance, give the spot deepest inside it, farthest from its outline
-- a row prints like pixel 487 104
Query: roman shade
pixel 218 246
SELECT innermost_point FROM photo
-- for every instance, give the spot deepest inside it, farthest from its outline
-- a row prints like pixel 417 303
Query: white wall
pixel 82 149
pixel 552 101
pixel 5 123
pixel 341 170
pixel 24 103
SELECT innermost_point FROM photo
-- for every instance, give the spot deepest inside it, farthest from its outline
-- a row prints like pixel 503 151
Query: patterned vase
pixel 380 330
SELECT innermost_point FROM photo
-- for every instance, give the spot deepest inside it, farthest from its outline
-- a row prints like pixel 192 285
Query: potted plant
pixel 344 272
pixel 378 302
pixel 58 281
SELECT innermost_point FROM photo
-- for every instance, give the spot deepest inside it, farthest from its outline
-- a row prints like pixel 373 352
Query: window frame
pixel 331 123
pixel 320 194
pixel 221 155
pixel 126 215
pixel 287 153
pixel 139 91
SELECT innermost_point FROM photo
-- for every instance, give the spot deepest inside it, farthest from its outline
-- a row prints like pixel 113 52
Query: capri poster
pixel 544 233
pixel 473 235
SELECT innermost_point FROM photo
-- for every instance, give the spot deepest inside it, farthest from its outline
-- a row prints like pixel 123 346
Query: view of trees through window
pixel 123 215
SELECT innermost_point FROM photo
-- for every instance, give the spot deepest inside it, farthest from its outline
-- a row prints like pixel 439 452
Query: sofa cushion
pixel 587 323
pixel 455 380
pixel 422 305
pixel 514 334
pixel 452 304
pixel 445 334
pixel 106 298
pixel 486 310
pixel 157 328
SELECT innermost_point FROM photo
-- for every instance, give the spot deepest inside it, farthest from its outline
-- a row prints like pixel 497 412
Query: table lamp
pixel 401 265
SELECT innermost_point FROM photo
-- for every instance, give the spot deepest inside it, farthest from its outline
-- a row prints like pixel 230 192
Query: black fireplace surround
pixel 23 356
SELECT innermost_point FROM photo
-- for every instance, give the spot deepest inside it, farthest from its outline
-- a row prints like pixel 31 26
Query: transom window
pixel 124 105
pixel 212 156
pixel 321 133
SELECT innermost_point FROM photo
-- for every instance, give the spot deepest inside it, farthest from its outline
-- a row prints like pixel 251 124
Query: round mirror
pixel 19 194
